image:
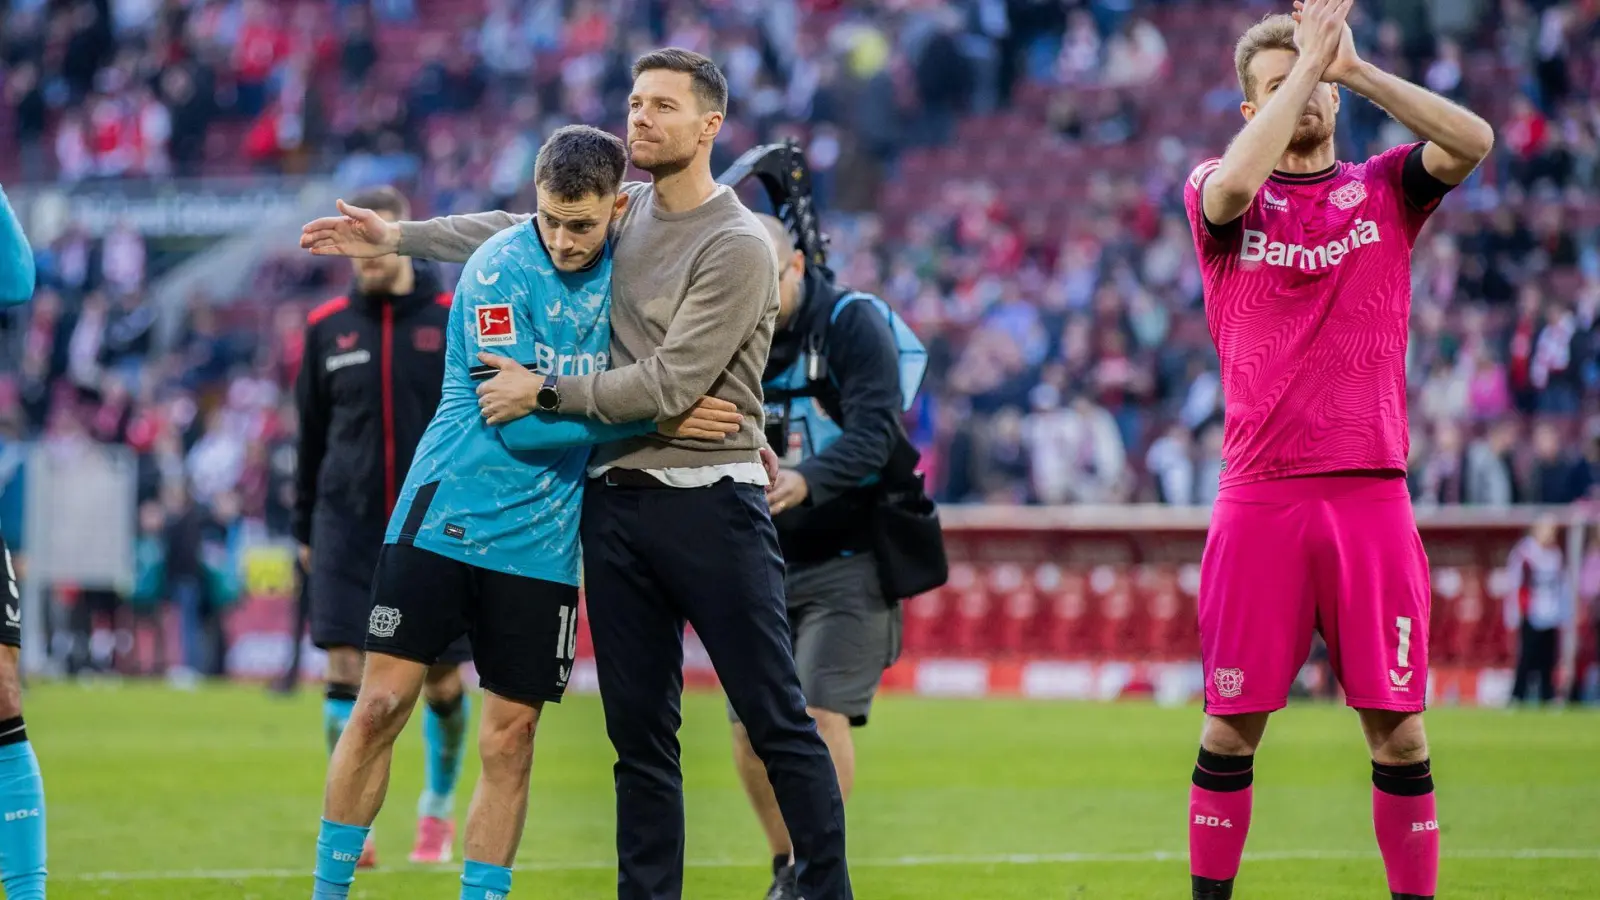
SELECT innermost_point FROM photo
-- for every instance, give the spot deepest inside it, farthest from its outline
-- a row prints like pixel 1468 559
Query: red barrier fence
pixel 1076 601
pixel 1099 602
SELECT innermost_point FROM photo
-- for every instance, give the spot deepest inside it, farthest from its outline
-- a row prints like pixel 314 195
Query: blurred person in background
pixel 1555 477
pixel 370 380
pixel 1489 480
pixel 1589 606
pixel 147 598
pixel 833 351
pixel 1539 603
pixel 1171 461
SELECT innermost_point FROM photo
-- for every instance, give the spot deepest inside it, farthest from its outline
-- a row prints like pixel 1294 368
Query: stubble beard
pixel 1311 138
pixel 670 160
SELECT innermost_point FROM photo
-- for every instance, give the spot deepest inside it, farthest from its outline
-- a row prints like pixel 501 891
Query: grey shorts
pixel 845 634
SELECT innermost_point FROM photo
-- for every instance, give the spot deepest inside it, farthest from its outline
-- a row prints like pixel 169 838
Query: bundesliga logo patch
pixel 1348 196
pixel 496 327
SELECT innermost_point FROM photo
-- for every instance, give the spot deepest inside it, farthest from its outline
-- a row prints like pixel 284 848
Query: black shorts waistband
pixel 631 478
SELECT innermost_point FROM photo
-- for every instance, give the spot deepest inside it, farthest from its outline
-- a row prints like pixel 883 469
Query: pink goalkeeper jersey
pixel 1308 297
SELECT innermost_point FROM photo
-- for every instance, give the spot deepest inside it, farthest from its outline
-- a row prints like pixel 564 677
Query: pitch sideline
pixel 999 859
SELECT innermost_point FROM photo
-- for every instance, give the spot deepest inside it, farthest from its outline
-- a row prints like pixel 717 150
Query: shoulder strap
pixel 851 297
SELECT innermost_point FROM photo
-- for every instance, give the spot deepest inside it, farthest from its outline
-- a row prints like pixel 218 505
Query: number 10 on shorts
pixel 1402 655
pixel 567 636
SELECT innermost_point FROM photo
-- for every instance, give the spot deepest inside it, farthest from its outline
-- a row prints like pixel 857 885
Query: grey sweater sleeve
pixel 715 320
pixel 454 238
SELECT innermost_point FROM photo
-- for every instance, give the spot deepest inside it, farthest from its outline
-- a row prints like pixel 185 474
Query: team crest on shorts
pixel 1230 682
pixel 383 622
pixel 1349 195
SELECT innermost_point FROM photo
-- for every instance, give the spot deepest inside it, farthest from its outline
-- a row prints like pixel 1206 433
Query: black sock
pixel 779 863
pixel 1223 774
pixel 1210 888
pixel 444 709
pixel 1411 780
pixel 12 731
pixel 339 691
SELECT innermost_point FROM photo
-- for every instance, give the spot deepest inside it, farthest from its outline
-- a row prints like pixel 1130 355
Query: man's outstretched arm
pixel 361 233
pixel 453 238
pixel 1458 139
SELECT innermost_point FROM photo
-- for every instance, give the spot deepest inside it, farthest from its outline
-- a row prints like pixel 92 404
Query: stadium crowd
pixel 1070 357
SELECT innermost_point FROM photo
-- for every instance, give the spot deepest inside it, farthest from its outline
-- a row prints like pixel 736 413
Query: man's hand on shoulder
pixel 511 394
pixel 355 232
pixel 710 419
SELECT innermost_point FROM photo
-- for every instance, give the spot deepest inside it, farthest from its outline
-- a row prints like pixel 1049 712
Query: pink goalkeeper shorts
pixel 1339 554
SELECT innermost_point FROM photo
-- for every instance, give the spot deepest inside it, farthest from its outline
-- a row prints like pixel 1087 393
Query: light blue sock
pixel 22 843
pixel 444 739
pixel 338 849
pixel 337 706
pixel 481 881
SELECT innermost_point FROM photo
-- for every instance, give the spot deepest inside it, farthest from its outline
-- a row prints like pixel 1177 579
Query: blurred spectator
pixel 1538 604
pixel 1555 476
pixel 1489 480
pixel 1171 462
pixel 1071 359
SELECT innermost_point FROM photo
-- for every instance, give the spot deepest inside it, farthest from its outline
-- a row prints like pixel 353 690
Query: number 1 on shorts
pixel 567 635
pixel 1403 654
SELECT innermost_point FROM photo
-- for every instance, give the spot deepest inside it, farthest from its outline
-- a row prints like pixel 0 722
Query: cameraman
pixel 832 387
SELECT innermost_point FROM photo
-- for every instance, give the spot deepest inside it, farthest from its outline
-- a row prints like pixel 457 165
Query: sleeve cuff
pixel 576 395
pixel 407 244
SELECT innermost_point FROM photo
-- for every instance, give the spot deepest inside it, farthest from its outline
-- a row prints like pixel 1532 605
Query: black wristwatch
pixel 548 398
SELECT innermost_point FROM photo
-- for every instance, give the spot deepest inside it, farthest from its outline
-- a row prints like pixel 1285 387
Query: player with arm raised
pixel 484 538
pixel 22 837
pixel 1307 273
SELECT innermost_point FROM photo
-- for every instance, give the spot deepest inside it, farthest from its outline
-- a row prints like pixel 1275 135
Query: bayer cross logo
pixel 384 620
pixel 1230 682
pixel 1348 196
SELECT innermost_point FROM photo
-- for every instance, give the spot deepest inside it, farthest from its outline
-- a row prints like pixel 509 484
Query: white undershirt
pixel 700 476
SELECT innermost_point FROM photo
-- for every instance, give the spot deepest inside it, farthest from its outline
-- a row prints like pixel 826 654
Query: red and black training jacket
pixel 369 383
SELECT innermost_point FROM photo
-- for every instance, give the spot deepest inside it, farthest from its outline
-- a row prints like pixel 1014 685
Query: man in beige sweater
pixel 673 530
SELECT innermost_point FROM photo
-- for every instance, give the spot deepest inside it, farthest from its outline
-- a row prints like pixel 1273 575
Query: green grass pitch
pixel 215 794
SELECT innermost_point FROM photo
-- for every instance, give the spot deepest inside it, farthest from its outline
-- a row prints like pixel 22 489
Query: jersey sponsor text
pixel 1259 247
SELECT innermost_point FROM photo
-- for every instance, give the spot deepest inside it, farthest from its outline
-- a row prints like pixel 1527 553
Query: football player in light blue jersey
pixel 484 538
pixel 22 843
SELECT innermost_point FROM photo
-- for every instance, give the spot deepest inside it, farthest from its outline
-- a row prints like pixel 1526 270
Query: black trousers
pixel 1536 663
pixel 654 558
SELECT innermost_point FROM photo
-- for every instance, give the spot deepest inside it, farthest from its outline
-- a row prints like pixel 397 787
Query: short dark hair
pixel 383 198
pixel 578 160
pixel 707 81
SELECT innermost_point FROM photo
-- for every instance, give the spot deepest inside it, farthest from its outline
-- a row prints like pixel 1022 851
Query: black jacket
pixel 862 395
pixel 369 383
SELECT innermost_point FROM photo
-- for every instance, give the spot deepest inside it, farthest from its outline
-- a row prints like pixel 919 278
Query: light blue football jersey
pixel 508 497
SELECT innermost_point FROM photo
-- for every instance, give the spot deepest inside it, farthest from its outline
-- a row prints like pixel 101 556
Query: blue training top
pixel 508 497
